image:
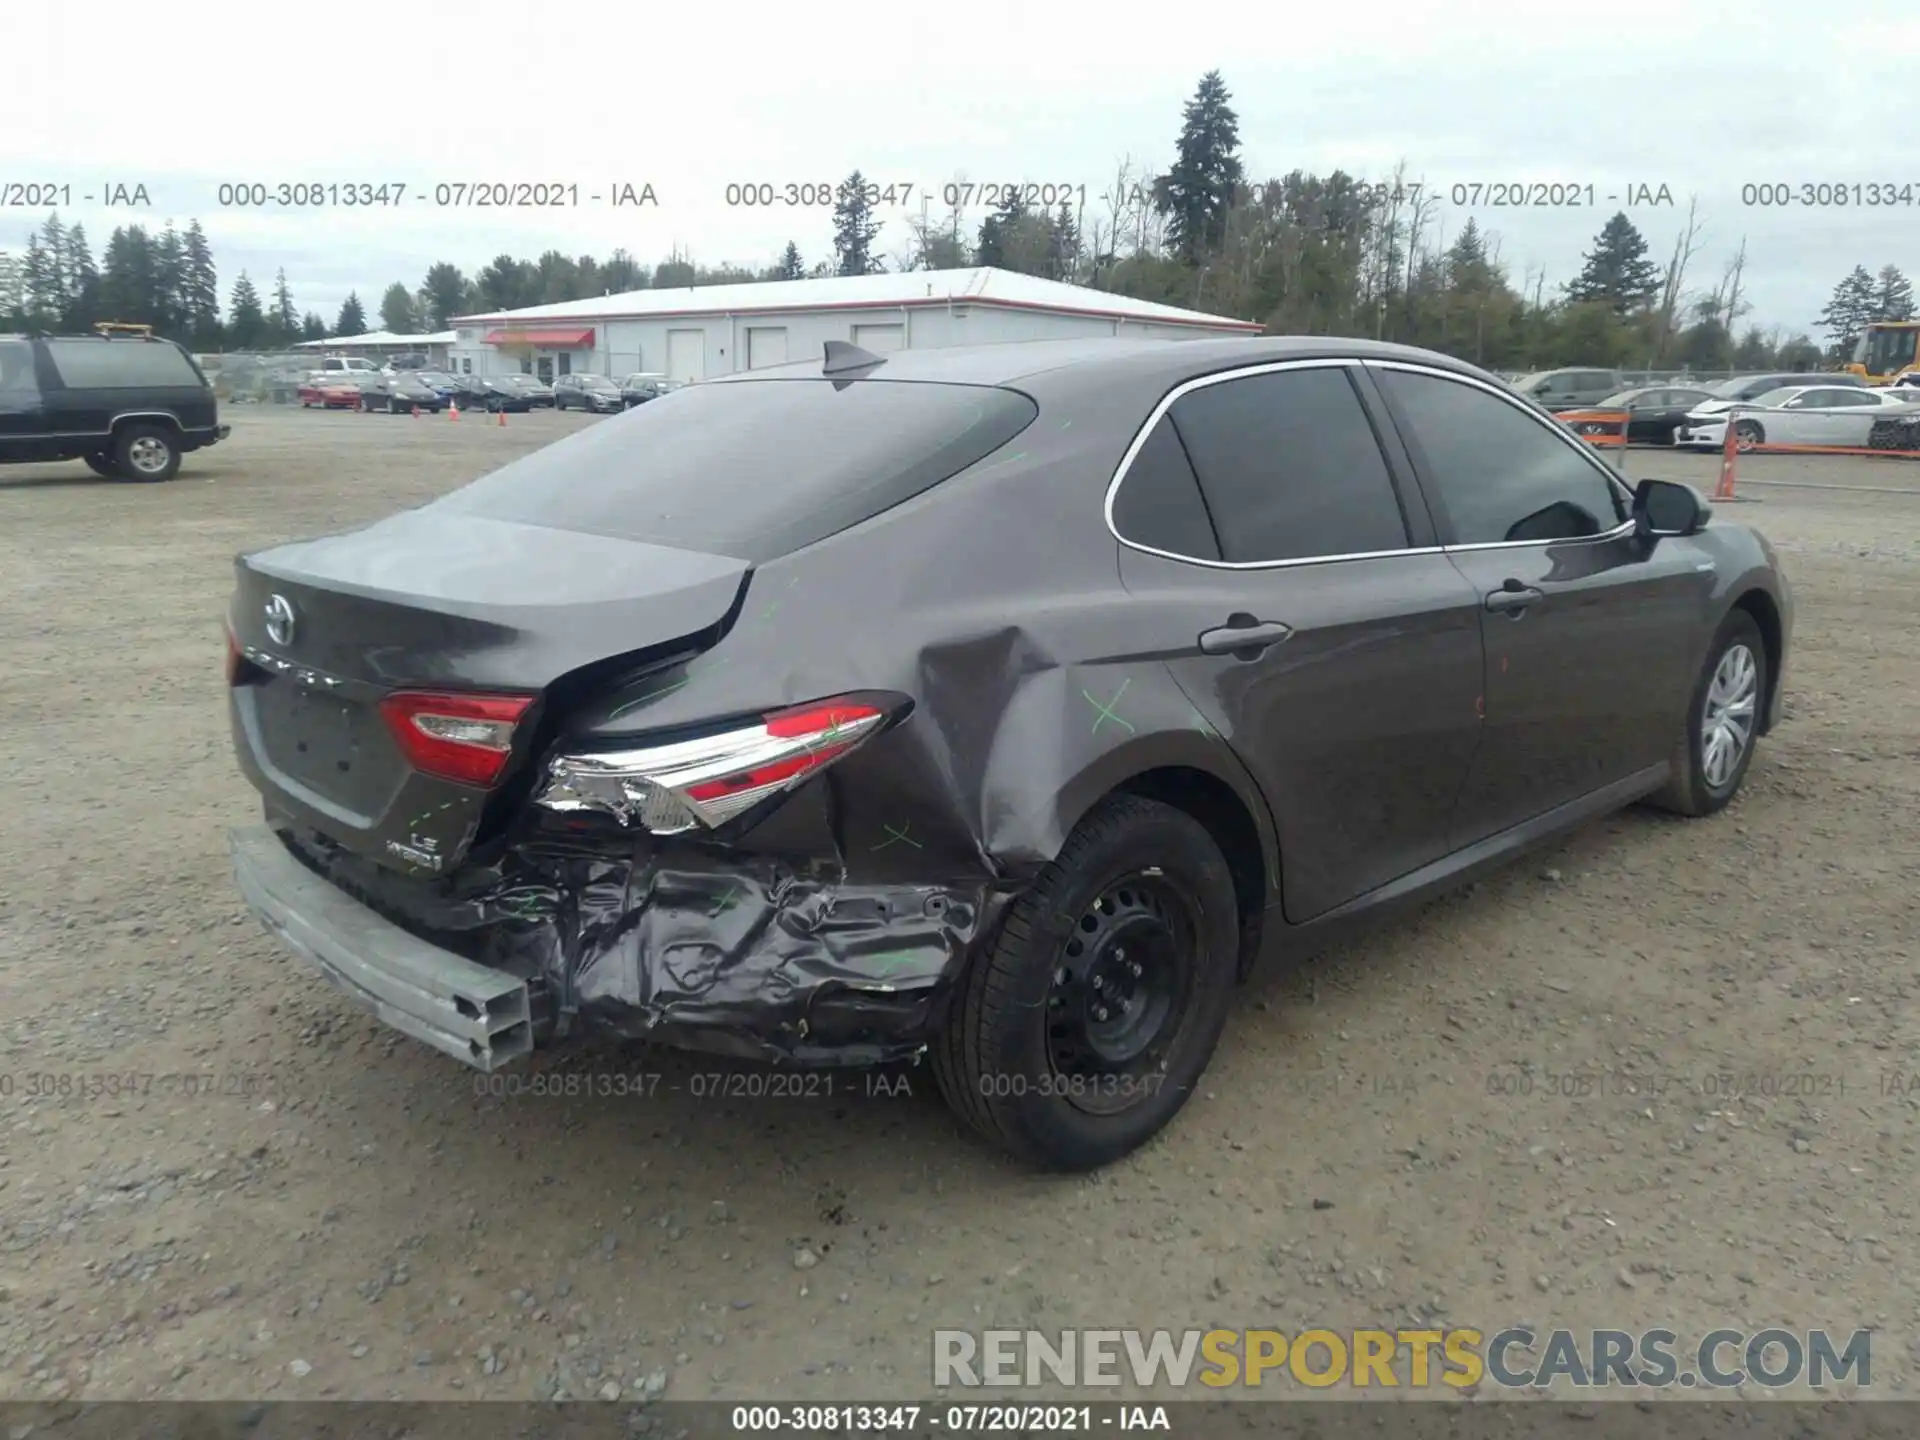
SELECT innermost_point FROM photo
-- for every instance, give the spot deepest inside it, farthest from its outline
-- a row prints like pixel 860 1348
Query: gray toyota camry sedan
pixel 999 706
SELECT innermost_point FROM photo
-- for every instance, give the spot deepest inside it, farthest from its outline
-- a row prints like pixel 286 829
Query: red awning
pixel 544 339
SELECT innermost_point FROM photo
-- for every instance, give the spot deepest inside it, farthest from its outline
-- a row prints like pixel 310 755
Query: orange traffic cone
pixel 1724 490
pixel 503 417
pixel 453 409
pixel 416 412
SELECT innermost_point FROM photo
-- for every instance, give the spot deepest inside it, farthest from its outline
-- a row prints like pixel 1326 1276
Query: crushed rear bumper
pixel 470 1012
pixel 741 955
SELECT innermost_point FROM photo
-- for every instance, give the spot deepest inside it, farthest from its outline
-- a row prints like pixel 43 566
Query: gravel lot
pixel 342 1215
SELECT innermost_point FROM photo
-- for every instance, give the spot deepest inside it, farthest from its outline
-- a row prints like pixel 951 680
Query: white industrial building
pixel 710 330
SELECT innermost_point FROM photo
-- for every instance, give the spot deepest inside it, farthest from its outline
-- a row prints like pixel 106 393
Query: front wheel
pixel 1722 724
pixel 1080 1033
pixel 1747 435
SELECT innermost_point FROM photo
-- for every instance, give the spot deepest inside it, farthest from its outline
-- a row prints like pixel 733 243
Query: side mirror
pixel 1666 507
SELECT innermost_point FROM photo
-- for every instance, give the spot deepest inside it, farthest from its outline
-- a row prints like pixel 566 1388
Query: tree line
pixel 1301 253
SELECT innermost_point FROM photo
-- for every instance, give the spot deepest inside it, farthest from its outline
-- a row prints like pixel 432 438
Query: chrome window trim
pixel 1559 432
pixel 1221 377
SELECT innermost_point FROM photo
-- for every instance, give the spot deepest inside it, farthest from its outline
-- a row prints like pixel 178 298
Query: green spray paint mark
pixel 1107 710
pixel 895 836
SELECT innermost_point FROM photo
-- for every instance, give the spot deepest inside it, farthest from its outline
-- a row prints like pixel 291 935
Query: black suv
pixel 130 406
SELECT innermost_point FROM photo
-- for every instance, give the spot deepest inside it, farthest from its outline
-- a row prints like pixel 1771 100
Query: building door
pixel 543 367
pixel 766 347
pixel 686 355
pixel 880 338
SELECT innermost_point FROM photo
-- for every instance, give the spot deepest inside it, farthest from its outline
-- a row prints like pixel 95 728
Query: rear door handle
pixel 1245 641
pixel 1515 599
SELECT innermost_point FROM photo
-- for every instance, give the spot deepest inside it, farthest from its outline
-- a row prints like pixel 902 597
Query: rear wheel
pixel 1722 724
pixel 1081 1032
pixel 147 452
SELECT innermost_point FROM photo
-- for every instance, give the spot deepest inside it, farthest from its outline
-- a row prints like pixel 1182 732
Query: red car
pixel 330 392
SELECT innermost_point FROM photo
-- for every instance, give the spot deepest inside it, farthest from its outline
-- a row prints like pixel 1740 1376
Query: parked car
pixel 589 743
pixel 595 393
pixel 452 389
pixel 1829 415
pixel 334 390
pixel 1570 389
pixel 495 396
pixel 130 406
pixel 345 365
pixel 399 393
pixel 534 388
pixel 1655 411
pixel 638 389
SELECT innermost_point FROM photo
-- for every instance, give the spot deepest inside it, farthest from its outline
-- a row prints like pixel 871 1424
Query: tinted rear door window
pixel 1158 504
pixel 752 469
pixel 1501 474
pixel 120 365
pixel 1290 467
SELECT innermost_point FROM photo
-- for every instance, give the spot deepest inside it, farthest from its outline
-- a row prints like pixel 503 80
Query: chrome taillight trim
pixel 650 783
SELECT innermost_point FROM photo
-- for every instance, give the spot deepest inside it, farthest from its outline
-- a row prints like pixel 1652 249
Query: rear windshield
pixel 753 469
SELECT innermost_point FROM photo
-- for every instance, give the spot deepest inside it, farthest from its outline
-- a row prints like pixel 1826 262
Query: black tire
pixel 1131 865
pixel 1688 791
pixel 147 453
pixel 390 407
pixel 102 464
pixel 1747 434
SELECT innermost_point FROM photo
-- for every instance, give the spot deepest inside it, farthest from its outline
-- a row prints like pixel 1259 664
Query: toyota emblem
pixel 280 620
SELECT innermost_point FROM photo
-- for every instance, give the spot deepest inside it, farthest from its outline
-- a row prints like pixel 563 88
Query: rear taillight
pixel 468 738
pixel 672 788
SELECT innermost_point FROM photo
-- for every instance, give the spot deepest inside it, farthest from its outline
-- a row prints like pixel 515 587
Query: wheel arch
pixel 1199 776
pixel 1765 611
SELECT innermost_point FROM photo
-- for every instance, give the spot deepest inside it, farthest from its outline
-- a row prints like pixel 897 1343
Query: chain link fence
pixel 263 377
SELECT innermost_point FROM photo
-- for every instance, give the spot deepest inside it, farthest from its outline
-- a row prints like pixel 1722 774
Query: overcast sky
pixel 689 99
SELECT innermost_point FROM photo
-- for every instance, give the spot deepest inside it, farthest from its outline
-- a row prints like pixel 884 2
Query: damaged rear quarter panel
pixel 994 602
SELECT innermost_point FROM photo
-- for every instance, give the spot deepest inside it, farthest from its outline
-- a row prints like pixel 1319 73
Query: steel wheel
pixel 1727 716
pixel 1121 986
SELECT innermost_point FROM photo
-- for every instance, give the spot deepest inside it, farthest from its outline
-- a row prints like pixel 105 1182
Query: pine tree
pixel 13 290
pixel 41 297
pixel 313 326
pixel 1204 183
pixel 855 229
pixel 1616 271
pixel 1893 295
pixel 80 309
pixel 396 311
pixel 997 233
pixel 353 317
pixel 246 325
pixel 1848 312
pixel 286 319
pixel 169 280
pixel 1063 249
pixel 53 248
pixel 199 289
pixel 448 294
pixel 790 267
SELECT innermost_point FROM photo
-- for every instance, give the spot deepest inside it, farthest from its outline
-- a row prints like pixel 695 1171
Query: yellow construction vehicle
pixel 1886 351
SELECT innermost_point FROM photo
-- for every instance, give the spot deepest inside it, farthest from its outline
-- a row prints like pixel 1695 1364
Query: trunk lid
pixel 437 601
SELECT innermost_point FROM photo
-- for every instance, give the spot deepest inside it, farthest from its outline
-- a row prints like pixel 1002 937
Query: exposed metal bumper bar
pixel 474 1014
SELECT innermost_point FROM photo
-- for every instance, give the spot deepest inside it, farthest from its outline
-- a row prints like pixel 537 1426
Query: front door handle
pixel 1514 597
pixel 1245 639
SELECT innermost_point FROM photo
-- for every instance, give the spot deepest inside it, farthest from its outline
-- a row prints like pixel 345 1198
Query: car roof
pixel 1010 362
